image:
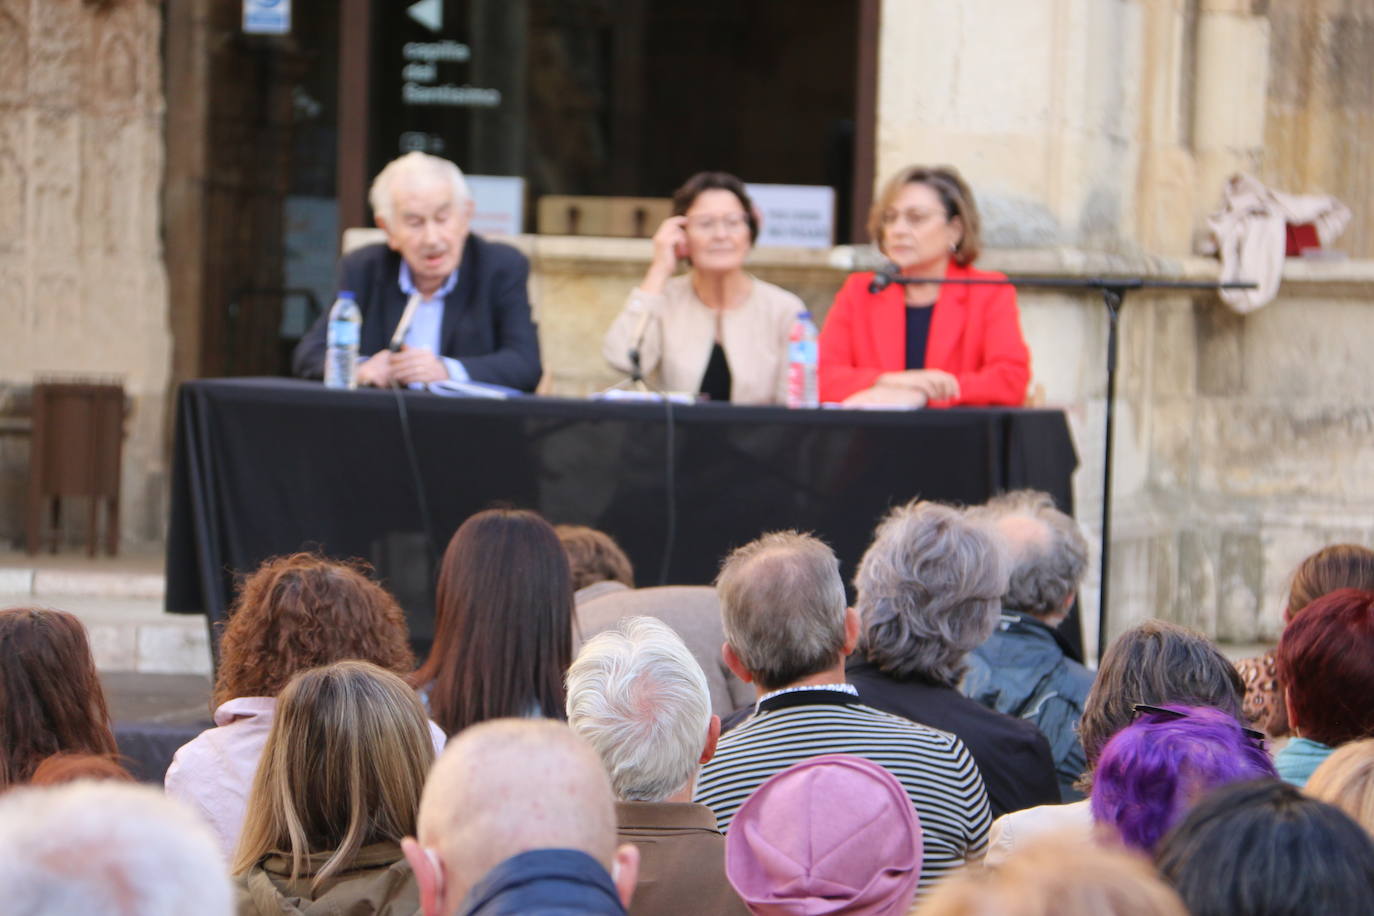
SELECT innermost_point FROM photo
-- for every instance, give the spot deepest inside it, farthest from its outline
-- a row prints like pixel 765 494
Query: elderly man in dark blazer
pixel 473 319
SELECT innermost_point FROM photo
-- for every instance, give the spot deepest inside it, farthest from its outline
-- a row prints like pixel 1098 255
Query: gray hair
pixel 637 696
pixel 106 847
pixel 414 163
pixel 782 604
pixel 930 588
pixel 1047 565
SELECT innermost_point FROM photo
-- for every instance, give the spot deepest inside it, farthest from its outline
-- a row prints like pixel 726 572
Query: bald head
pixel 510 786
pixel 1048 552
pixel 1024 535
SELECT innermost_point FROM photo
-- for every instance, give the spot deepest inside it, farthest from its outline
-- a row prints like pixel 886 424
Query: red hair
pixel 1326 659
pixel 63 768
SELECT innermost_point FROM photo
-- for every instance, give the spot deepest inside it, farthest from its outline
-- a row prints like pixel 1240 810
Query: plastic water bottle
pixel 803 361
pixel 345 331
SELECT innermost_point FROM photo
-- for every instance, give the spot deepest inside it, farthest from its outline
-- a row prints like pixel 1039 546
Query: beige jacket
pixel 753 335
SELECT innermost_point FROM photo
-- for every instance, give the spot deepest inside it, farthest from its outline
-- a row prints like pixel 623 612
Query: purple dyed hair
pixel 1154 769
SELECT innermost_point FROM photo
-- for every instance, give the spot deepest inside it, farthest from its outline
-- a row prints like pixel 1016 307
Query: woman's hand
pixel 886 396
pixel 670 245
pixel 935 384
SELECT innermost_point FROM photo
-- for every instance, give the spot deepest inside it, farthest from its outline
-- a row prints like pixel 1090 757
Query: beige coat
pixel 753 335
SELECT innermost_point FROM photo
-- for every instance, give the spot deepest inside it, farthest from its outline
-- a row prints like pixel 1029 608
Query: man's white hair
pixel 413 164
pixel 636 694
pixel 110 848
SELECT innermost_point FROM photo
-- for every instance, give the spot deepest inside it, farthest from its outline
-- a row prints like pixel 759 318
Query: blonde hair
pixel 344 766
pixel 955 196
pixel 1346 780
pixel 1059 874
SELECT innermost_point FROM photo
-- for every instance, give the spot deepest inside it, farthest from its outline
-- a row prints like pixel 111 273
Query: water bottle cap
pixel 345 294
pixel 805 313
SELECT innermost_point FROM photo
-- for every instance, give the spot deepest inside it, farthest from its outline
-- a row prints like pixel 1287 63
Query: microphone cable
pixel 413 460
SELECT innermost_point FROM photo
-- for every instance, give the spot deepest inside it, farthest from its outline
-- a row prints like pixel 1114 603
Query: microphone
pixel 636 372
pixel 882 279
pixel 399 337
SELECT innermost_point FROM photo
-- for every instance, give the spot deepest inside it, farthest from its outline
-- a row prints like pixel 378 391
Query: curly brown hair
pixel 50 696
pixel 303 611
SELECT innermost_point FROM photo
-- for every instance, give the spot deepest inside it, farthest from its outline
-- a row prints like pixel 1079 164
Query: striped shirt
pixel 936 769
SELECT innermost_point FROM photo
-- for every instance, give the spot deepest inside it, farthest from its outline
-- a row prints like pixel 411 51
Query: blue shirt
pixel 427 322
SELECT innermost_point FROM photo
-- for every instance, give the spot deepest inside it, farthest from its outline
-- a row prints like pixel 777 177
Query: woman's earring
pixel 953 247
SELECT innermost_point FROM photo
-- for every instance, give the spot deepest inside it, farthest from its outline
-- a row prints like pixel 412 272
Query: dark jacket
pixel 379 882
pixel 1023 670
pixel 1012 755
pixel 486 321
pixel 544 882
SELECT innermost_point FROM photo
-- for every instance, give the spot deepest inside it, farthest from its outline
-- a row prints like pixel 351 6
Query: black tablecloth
pixel 269 466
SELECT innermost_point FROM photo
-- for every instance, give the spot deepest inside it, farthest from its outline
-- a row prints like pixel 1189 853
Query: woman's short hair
pixel 66 767
pixel 344 766
pixel 1153 769
pixel 1332 567
pixel 954 194
pixel 1346 780
pixel 503 617
pixel 693 187
pixel 594 557
pixel 930 590
pixel 380 197
pixel 1058 874
pixel 302 611
pixel 50 695
pixel 1265 849
pixel 1155 662
pixel 1325 659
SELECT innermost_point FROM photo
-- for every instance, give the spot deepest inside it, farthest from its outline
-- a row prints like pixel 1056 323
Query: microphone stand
pixel 1113 290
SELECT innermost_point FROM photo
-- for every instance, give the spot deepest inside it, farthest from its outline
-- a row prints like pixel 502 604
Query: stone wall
pixel 81 268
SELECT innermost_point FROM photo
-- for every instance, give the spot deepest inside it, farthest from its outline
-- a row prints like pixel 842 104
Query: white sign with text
pixel 795 215
pixel 499 204
pixel 267 17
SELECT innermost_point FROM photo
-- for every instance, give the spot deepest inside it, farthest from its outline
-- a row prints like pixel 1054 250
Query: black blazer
pixel 486 320
pixel 1014 758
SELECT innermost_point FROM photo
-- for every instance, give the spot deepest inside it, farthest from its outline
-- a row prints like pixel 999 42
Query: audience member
pixel 929 589
pixel 337 790
pixel 1058 874
pixel 639 698
pixel 1346 780
pixel 517 817
pixel 834 834
pixel 716 329
pixel 1024 669
pixel 1326 664
pixel 1153 770
pixel 107 848
pixel 598 564
pixel 1265 849
pixel 60 769
pixel 1333 567
pixel 787 631
pixel 50 696
pixel 294 613
pixel 1153 663
pixel 693 612
pixel 503 617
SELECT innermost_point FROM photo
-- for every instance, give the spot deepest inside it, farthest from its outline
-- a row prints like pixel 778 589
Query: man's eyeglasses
pixel 1147 709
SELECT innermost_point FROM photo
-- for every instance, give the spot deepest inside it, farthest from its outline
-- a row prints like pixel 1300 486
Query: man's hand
pixel 376 370
pixel 416 364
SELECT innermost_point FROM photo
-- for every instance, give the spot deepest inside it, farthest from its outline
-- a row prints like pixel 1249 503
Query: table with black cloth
pixel 270 466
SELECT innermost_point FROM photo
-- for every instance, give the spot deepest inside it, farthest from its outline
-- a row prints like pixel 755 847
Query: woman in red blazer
pixel 926 343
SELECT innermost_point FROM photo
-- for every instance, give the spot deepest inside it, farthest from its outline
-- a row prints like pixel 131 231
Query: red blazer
pixel 975 334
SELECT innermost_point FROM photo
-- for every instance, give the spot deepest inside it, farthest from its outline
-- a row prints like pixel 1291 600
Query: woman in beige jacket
pixel 714 330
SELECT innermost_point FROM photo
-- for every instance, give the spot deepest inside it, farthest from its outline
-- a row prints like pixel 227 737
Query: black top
pixel 715 383
pixel 1014 758
pixel 917 334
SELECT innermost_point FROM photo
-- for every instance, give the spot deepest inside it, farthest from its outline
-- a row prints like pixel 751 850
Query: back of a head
pixel 1157 663
pixel 833 834
pixel 1265 849
pixel 110 848
pixel 301 611
pixel 1325 660
pixel 1058 875
pixel 1333 567
pixel 930 588
pixel 1151 771
pixel 1048 552
pixel 63 768
pixel 637 696
pixel 1346 780
pixel 50 695
pixel 343 767
pixel 510 786
pixel 782 604
pixel 594 557
pixel 502 622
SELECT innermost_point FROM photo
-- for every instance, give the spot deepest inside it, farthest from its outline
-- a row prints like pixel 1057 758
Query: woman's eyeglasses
pixel 733 222
pixel 1147 709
